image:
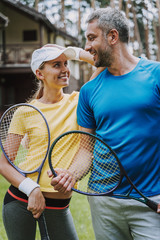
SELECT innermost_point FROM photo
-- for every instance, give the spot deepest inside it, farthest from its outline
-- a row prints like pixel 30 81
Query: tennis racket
pixel 21 127
pixel 93 165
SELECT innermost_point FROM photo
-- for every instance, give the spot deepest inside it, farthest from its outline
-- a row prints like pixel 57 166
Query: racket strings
pixel 91 163
pixel 18 130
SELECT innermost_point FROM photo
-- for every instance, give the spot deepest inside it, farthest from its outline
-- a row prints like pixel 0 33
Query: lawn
pixel 79 208
pixel 3 186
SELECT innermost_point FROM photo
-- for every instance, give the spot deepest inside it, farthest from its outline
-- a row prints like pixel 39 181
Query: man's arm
pixel 66 179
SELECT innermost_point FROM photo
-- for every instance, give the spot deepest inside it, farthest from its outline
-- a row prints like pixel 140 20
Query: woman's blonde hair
pixel 39 87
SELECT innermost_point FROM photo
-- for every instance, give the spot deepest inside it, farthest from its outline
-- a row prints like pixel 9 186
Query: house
pixel 23 29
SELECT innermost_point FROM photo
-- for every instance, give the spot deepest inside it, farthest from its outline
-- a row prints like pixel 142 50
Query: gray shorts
pixel 123 219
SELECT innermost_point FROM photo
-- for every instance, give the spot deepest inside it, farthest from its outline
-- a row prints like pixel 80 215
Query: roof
pixel 37 16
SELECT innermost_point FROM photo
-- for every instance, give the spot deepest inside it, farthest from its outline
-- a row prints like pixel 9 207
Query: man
pixel 122 106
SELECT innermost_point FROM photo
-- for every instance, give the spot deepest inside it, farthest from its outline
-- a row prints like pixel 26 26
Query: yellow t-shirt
pixel 61 117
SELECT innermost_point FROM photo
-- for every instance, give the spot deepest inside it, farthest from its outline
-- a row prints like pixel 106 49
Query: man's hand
pixel 63 182
pixel 36 203
pixel 158 210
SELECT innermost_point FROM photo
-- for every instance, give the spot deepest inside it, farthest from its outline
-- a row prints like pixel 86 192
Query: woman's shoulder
pixel 72 96
pixel 32 102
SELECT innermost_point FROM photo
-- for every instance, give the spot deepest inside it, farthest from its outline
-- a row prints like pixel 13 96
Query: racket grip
pixel 43 227
pixel 153 205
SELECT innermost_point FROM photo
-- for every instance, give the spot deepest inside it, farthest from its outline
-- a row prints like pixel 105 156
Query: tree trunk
pixel 36 4
pixel 63 15
pixel 79 17
pixel 128 8
pixel 146 29
pixel 136 30
pixel 93 4
pixel 120 5
pixel 157 30
pixel 112 3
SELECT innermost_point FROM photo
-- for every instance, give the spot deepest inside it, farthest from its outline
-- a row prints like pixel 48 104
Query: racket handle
pixel 153 205
pixel 43 227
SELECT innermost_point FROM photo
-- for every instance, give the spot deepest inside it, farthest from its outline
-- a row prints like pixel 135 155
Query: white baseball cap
pixel 49 53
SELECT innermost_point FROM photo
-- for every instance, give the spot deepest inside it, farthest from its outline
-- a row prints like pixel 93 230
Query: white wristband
pixel 77 51
pixel 27 186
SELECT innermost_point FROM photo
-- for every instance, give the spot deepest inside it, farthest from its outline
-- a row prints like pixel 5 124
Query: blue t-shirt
pixel 125 112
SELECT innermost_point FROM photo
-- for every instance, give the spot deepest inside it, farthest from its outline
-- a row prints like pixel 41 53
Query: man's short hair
pixel 110 18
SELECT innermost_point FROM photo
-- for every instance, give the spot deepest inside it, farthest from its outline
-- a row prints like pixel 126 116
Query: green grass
pixel 3 187
pixel 82 218
pixel 80 211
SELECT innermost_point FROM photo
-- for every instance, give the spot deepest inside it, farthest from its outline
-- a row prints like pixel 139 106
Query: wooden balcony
pixel 14 54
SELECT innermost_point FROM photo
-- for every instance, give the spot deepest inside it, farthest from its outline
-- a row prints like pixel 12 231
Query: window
pixel 29 35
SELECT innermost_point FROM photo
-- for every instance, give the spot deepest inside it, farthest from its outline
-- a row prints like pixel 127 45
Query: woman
pixel 25 196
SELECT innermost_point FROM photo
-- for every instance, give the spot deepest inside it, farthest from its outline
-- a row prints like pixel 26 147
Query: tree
pixel 143 16
pixel 63 20
pixel 156 25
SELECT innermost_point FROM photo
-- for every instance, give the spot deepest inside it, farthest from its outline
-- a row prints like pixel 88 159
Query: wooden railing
pixel 17 53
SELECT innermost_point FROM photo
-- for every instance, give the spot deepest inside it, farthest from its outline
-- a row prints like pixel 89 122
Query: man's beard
pixel 105 58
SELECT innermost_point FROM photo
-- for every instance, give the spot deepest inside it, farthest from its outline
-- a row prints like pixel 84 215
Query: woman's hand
pixel 36 202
